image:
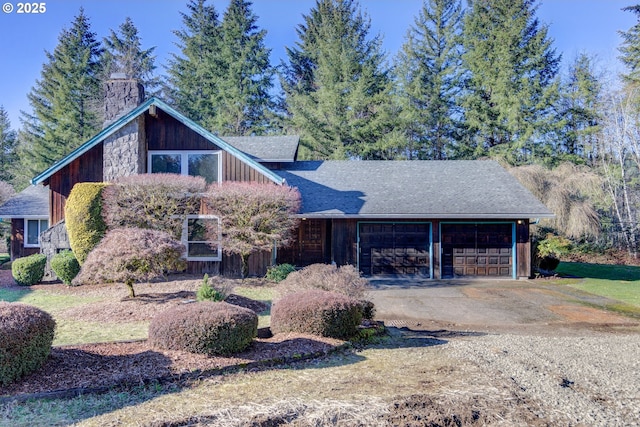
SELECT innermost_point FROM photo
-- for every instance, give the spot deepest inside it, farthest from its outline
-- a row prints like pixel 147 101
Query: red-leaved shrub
pixel 154 201
pixel 205 327
pixel 26 334
pixel 316 312
pixel 344 280
pixel 129 255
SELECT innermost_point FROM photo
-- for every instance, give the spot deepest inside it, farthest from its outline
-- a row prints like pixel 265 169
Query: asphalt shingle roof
pixel 33 201
pixel 266 148
pixel 411 189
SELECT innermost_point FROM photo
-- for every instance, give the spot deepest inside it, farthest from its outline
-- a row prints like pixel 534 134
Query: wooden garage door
pixel 477 250
pixel 395 248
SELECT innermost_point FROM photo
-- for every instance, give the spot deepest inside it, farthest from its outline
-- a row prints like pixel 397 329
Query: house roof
pixel 128 117
pixel 411 189
pixel 267 148
pixel 32 202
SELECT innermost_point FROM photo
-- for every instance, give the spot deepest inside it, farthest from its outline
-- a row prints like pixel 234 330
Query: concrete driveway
pixel 487 305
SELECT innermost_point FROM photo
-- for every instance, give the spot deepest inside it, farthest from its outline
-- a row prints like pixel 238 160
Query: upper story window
pixel 195 163
pixel 33 228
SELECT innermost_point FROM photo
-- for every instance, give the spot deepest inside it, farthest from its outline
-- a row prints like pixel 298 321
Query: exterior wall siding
pixel 17 249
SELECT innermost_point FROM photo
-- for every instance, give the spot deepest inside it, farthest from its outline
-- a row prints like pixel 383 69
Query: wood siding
pixel 86 168
pixel 17 249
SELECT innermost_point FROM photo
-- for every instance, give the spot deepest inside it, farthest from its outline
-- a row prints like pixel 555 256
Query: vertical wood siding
pixel 17 249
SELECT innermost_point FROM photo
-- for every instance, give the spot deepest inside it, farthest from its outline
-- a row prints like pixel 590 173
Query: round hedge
pixel 66 266
pixel 28 270
pixel 26 334
pixel 316 312
pixel 205 327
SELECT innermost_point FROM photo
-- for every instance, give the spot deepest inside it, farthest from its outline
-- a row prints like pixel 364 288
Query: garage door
pixel 477 250
pixel 395 248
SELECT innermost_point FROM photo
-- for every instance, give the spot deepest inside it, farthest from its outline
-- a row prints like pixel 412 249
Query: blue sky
pixel 576 26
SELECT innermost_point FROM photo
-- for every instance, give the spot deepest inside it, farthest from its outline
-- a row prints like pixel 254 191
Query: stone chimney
pixel 124 151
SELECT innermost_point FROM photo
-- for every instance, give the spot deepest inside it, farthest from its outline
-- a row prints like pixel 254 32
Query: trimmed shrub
pixel 152 201
pixel 29 270
pixel 204 327
pixel 83 218
pixel 317 312
pixel 206 292
pixel 279 272
pixel 26 334
pixel 129 255
pixel 344 280
pixel 66 266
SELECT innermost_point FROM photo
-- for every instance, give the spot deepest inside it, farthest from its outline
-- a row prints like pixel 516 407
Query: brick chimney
pixel 124 151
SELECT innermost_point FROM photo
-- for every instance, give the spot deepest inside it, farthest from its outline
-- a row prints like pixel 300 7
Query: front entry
pixel 477 249
pixel 390 248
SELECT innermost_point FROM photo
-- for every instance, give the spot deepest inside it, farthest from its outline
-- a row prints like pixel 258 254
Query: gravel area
pixel 590 380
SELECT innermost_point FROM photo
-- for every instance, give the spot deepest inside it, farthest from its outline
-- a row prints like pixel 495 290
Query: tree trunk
pixel 132 293
pixel 245 265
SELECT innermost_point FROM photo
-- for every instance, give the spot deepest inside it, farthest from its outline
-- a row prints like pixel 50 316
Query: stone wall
pixel 52 241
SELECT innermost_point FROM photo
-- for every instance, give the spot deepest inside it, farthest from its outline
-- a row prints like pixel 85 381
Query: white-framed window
pixel 206 164
pixel 32 230
pixel 197 232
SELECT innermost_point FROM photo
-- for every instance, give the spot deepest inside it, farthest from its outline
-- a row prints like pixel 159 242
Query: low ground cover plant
pixel 279 272
pixel 28 270
pixel 66 266
pixel 204 327
pixel 344 280
pixel 317 312
pixel 26 334
pixel 206 292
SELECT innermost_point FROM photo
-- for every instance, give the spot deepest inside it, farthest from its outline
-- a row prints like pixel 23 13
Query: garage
pixel 394 248
pixel 477 249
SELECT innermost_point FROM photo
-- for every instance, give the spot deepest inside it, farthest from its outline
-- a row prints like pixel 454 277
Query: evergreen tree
pixel 579 109
pixel 124 54
pixel 336 86
pixel 428 69
pixel 512 86
pixel 8 141
pixel 630 49
pixel 194 74
pixel 66 102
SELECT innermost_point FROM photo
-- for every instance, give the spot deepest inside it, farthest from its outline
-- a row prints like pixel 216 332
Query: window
pixel 195 163
pixel 196 236
pixel 33 228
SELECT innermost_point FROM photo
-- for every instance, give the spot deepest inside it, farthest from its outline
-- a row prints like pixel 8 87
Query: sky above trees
pixel 590 28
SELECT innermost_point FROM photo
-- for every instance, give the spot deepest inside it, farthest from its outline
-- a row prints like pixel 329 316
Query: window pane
pixel 203 249
pixel 44 224
pixel 166 163
pixel 204 165
pixel 32 232
pixel 197 229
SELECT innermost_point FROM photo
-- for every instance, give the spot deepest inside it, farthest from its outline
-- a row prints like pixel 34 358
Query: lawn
pixel 618 282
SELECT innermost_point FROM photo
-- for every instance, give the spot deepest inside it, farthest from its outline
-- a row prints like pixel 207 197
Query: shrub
pixel 206 292
pixel 29 270
pixel 317 312
pixel 66 266
pixel 83 218
pixel 279 272
pixel 152 201
pixel 26 334
pixel 549 250
pixel 204 327
pixel 131 255
pixel 345 280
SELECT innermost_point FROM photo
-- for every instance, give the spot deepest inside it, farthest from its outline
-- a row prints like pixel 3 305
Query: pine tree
pixel 336 86
pixel 580 111
pixel 194 74
pixel 8 141
pixel 511 84
pixel 428 70
pixel 630 49
pixel 124 54
pixel 66 100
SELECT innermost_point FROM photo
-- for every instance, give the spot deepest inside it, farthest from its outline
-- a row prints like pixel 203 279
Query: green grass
pixel 262 294
pixel 617 282
pixel 83 332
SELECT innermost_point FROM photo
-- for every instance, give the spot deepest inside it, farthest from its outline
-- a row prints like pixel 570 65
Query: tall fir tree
pixel 428 70
pixel 245 104
pixel 8 141
pixel 580 105
pixel 193 74
pixel 511 86
pixel 66 102
pixel 337 87
pixel 124 54
pixel 630 50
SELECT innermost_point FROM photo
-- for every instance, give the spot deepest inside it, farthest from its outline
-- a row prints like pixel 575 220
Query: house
pixel 437 219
